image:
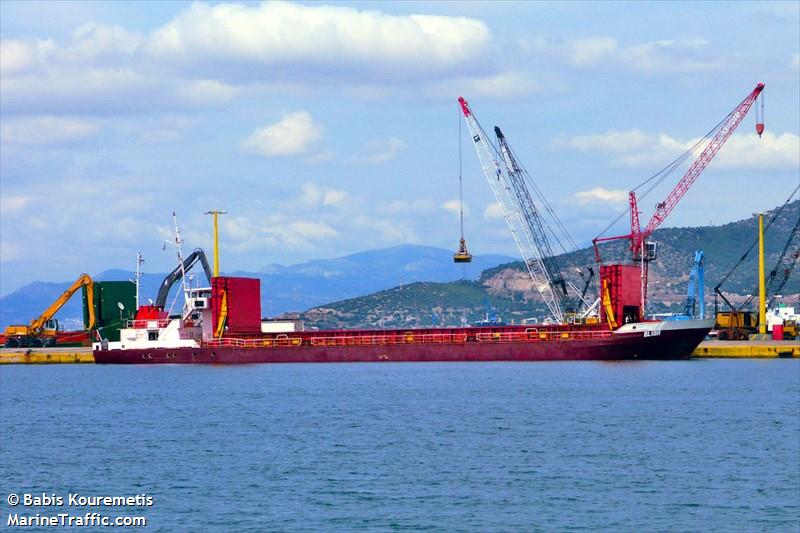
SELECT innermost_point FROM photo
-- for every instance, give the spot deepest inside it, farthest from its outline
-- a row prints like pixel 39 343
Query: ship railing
pixel 410 337
pixel 273 342
pixel 534 334
pixel 148 324
pixel 382 340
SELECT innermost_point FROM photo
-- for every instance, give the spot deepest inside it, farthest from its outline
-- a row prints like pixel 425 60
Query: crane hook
pixel 760 120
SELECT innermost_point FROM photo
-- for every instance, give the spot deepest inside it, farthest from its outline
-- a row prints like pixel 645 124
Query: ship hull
pixel 667 343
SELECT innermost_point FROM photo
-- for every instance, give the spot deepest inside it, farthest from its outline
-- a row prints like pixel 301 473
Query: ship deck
pixel 485 334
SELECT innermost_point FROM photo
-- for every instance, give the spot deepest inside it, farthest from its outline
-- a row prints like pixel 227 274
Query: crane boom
pixel 40 331
pixel 786 263
pixel 503 190
pixel 637 236
pixel 83 281
pixel 664 208
pixel 178 273
pixel 516 175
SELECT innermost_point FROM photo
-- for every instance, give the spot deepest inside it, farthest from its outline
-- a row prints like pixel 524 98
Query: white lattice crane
pixel 508 180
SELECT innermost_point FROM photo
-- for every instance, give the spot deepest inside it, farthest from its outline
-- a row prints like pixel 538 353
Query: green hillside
pixel 419 305
pixel 507 287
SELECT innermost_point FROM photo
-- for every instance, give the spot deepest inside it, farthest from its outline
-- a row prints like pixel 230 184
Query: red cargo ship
pixel 650 340
pixel 222 324
pixel 231 305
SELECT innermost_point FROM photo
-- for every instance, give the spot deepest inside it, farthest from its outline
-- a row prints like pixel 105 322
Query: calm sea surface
pixel 642 446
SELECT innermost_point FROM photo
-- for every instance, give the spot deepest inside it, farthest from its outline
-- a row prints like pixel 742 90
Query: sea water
pixel 702 445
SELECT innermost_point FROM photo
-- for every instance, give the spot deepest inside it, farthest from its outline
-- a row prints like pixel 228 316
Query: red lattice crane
pixel 664 208
pixel 637 236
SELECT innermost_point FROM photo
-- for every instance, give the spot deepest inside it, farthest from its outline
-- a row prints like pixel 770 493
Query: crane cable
pixel 662 174
pixel 571 244
pixel 554 220
pixel 750 249
pixel 460 182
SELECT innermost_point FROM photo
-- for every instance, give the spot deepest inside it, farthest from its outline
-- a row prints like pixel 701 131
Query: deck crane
pixel 779 274
pixel 508 184
pixel 642 251
pixel 786 263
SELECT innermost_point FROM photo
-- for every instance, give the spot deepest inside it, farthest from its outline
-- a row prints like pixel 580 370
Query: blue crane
pixel 696 281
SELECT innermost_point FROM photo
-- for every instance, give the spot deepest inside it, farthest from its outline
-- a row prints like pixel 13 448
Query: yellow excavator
pixel 43 330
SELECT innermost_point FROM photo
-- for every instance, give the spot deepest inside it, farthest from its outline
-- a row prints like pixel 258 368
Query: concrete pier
pixel 45 356
pixel 748 349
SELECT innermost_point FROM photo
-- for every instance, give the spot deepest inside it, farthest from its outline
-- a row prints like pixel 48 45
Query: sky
pixel 324 129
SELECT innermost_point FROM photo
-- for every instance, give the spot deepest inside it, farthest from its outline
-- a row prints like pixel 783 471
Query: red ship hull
pixel 467 344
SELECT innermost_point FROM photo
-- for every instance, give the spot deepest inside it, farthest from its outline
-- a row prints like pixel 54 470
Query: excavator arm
pixel 83 281
pixel 175 275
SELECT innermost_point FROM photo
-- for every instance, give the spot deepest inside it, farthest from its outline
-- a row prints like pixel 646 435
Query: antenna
pixel 138 277
pixel 177 242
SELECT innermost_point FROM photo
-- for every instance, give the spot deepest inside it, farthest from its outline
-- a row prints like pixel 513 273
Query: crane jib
pixel 507 180
pixel 726 129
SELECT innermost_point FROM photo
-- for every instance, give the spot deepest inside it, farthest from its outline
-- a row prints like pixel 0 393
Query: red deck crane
pixel 616 290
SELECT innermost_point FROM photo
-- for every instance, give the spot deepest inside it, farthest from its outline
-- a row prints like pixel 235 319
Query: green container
pixel 108 295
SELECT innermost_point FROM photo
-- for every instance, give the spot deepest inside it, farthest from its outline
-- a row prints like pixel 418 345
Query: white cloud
pixel 454 206
pixel 257 232
pixel 769 152
pixel 493 210
pixel 44 130
pixel 601 195
pixel 309 230
pixel 669 56
pixel 583 52
pixel 742 151
pixel 610 141
pixel 92 43
pixel 402 207
pixel 636 149
pixel 313 196
pixel 201 93
pixel 63 89
pixel 386 232
pixel 677 56
pixel 17 56
pixel 14 205
pixel 100 69
pixel 288 39
pixel 502 85
pixel 379 151
pixel 208 55
pixel 295 134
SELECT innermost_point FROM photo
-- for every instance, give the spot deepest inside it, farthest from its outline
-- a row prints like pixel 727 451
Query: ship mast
pixel 177 242
pixel 138 276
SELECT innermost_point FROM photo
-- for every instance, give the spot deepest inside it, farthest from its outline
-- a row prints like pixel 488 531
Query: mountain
pixel 299 287
pixel 406 286
pixel 283 288
pixel 422 304
pixel 507 288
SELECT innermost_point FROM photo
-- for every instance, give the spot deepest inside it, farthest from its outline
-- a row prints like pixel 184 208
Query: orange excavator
pixel 43 331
